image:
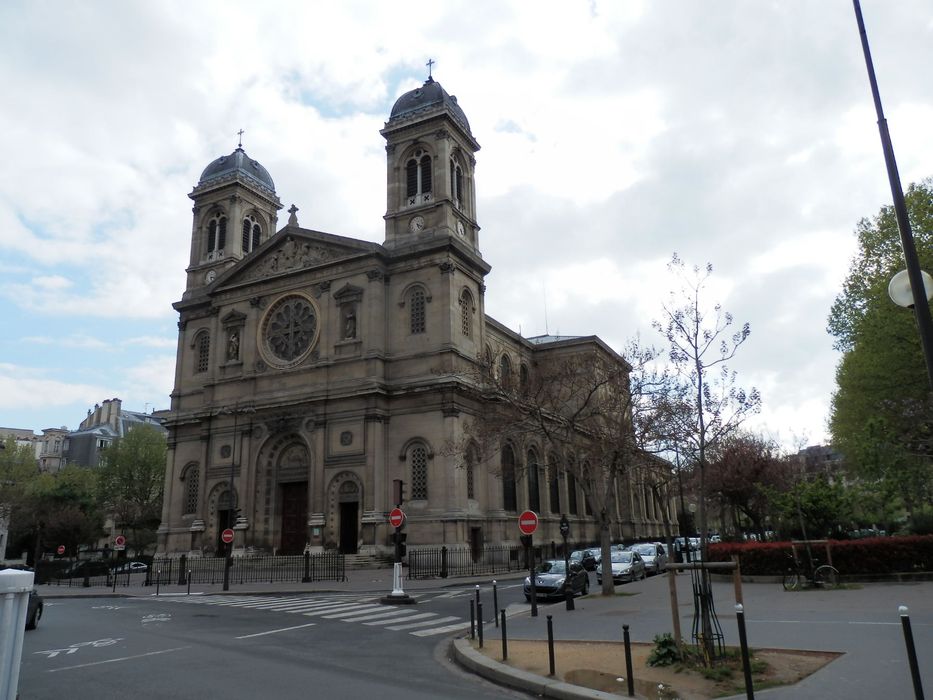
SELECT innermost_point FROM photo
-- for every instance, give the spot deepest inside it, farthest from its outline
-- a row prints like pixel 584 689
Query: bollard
pixel 115 580
pixel 495 599
pixel 189 581
pixel 307 577
pixel 629 677
pixel 911 652
pixel 479 623
pixel 472 620
pixel 477 594
pixel 550 645
pixel 743 642
pixel 158 580
pixel 568 597
pixel 505 641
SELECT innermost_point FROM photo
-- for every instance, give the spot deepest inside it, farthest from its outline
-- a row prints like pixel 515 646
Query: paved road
pixel 336 645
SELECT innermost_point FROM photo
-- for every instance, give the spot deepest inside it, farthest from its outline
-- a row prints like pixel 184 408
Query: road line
pixel 422 624
pixel 111 661
pixel 348 613
pixel 336 608
pixel 420 616
pixel 283 629
pixel 440 630
pixel 376 616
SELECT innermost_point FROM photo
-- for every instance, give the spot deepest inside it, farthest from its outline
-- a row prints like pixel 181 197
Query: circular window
pixel 289 330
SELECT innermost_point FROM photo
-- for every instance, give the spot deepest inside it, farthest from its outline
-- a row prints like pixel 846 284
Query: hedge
pixel 876 555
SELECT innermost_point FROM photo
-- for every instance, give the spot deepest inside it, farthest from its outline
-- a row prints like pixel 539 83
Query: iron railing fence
pixel 453 561
pixel 163 571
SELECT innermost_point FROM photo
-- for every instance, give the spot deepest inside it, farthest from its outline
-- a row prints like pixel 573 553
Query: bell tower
pixel 430 159
pixel 235 211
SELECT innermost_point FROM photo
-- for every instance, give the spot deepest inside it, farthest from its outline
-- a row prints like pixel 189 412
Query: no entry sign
pixel 396 517
pixel 61 549
pixel 119 543
pixel 227 536
pixel 528 522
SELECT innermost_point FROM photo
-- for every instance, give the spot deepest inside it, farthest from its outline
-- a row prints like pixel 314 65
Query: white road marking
pixel 283 629
pixel 440 630
pixel 422 624
pixel 420 616
pixel 376 616
pixel 348 613
pixel 111 661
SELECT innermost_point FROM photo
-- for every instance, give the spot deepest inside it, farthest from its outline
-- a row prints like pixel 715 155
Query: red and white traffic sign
pixel 119 542
pixel 396 517
pixel 528 522
pixel 61 549
pixel 227 536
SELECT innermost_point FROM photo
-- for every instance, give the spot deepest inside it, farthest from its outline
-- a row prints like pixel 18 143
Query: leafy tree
pixel 18 467
pixel 743 476
pixel 882 413
pixel 815 508
pixel 131 481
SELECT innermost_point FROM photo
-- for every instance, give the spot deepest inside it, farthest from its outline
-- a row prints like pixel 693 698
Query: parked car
pixel 625 566
pixel 653 556
pixel 88 567
pixel 587 558
pixel 34 611
pixel 132 567
pixel 553 581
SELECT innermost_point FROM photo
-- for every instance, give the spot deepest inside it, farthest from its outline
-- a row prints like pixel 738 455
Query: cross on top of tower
pixel 240 134
pixel 430 65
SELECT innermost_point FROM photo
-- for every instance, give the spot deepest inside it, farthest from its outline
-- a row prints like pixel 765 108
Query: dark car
pixel 587 558
pixel 88 567
pixel 552 580
pixel 34 612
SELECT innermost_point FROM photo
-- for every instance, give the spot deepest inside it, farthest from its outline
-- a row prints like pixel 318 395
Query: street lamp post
pixel 234 510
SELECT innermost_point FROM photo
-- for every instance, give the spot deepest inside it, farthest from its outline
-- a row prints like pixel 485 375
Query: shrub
pixel 665 652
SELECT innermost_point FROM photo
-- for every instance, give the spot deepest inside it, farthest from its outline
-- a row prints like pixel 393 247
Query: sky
pixel 614 134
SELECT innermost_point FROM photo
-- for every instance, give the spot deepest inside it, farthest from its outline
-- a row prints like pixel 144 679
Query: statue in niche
pixel 349 325
pixel 233 346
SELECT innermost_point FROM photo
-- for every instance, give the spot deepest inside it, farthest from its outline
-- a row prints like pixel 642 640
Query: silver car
pixel 654 556
pixel 626 566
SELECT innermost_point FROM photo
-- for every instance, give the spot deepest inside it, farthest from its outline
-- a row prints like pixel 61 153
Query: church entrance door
pixel 349 527
pixel 294 517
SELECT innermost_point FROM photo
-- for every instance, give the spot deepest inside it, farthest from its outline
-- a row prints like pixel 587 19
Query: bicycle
pixel 822 576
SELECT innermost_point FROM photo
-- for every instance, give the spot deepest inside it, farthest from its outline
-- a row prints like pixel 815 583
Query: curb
pixel 503 674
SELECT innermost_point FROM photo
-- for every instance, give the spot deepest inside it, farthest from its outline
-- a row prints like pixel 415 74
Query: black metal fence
pixel 163 571
pixel 443 562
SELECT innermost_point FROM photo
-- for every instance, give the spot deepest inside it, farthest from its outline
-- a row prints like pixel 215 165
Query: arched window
pixel 509 499
pixel 505 371
pixel 252 233
pixel 191 478
pixel 416 310
pixel 216 236
pixel 202 355
pixel 523 378
pixel 553 484
pixel 534 492
pixel 471 460
pixel 466 313
pixel 456 183
pixel 418 466
pixel 572 494
pixel 418 180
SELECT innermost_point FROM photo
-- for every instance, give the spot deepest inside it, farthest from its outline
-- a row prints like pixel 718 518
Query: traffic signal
pixel 398 492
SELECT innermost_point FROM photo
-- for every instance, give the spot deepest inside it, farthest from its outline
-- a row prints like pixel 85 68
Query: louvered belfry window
pixel 191 489
pixel 466 314
pixel 411 178
pixel 425 174
pixel 417 310
pixel 419 473
pixel 203 359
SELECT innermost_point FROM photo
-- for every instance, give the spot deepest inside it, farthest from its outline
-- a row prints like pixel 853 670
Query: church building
pixel 314 370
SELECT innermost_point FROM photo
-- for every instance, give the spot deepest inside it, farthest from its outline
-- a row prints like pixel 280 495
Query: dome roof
pixel 429 95
pixel 237 162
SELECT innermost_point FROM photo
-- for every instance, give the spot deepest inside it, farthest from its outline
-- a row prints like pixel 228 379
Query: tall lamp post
pixel 914 274
pixel 228 560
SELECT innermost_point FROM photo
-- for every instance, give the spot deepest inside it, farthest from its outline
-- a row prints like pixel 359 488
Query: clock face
pixel 416 224
pixel 210 276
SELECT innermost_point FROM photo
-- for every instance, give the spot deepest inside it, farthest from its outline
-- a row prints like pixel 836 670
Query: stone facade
pixel 313 370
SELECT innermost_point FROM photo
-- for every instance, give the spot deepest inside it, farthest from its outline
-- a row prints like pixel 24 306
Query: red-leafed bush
pixel 877 555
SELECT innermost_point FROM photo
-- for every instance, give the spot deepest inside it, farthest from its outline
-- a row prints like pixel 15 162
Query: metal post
pixel 472 619
pixel 629 677
pixel 917 288
pixel 531 575
pixel 158 580
pixel 743 642
pixel 911 652
pixel 307 576
pixel 189 581
pixel 505 640
pixel 476 591
pixel 479 623
pixel 550 644
pixel 495 599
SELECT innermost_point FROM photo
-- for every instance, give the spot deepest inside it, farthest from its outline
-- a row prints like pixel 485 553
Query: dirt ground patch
pixel 601 666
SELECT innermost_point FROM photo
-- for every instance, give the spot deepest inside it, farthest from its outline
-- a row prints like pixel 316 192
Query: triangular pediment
pixel 294 249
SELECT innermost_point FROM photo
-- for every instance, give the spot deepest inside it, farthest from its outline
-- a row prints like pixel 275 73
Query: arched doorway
pixel 222 513
pixel 348 498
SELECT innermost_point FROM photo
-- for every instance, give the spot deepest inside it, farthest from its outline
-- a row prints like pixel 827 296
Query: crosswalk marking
pixel 363 609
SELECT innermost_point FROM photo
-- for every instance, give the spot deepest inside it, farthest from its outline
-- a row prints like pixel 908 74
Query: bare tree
pixel 582 404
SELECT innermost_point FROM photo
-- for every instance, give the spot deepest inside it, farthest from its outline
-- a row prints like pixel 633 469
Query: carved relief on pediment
pixel 293 254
